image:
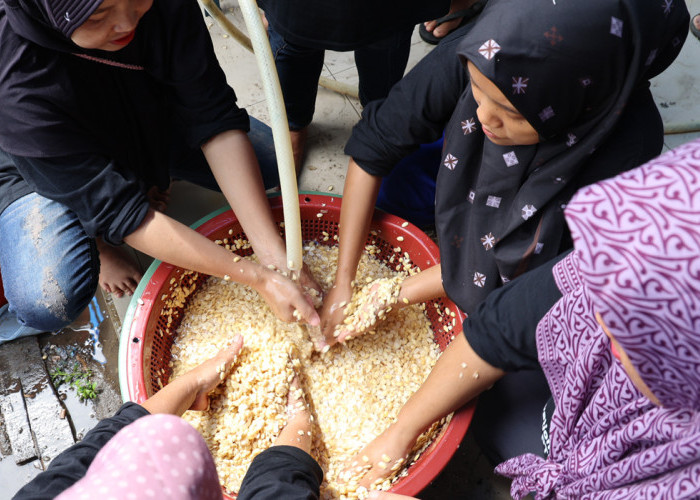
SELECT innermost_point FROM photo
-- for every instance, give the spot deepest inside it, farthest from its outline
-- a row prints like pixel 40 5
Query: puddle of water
pixel 15 476
pixel 93 328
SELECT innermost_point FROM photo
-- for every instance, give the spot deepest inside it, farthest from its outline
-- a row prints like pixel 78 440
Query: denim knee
pixel 50 267
pixel 51 307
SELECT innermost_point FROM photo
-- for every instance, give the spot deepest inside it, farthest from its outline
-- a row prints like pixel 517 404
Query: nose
pixel 487 114
pixel 127 18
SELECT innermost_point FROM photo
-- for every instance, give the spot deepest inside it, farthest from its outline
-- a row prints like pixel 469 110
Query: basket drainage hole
pixel 135 340
pixel 307 199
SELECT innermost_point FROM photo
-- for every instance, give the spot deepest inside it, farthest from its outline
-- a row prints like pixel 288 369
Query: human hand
pixel 333 312
pixel 204 378
pixel 277 261
pixel 286 298
pixel 371 304
pixel 381 458
pixel 191 390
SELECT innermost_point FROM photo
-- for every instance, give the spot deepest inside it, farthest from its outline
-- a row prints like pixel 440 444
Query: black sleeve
pixel 282 472
pixel 203 100
pixel 108 202
pixel 502 329
pixel 71 465
pixel 415 112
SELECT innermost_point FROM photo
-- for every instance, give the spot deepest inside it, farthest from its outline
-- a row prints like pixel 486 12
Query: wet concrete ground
pixel 468 475
pixel 89 345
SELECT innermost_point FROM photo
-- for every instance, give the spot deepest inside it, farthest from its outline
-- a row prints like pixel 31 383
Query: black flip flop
pixel 693 29
pixel 466 15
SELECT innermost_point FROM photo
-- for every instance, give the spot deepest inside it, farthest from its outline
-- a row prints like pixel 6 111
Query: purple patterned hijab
pixel 637 263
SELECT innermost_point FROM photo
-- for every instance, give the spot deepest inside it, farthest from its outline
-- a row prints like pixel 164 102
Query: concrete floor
pixel 469 474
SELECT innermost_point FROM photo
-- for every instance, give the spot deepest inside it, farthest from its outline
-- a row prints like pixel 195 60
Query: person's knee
pixel 51 307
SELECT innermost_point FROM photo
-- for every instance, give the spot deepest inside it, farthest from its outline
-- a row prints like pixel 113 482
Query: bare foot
pixel 119 274
pixel 298 147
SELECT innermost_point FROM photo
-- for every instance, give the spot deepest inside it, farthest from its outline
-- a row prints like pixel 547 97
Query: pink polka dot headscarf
pixel 157 456
pixel 637 237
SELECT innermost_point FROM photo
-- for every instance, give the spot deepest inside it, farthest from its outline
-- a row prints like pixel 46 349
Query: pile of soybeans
pixel 354 391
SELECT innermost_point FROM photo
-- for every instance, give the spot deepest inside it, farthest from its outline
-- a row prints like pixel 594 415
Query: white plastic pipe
pixel 280 132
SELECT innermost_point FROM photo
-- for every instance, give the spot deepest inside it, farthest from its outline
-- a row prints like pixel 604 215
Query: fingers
pixel 231 351
pixel 381 468
pixel 318 339
pixel 333 311
pixel 307 280
pixel 306 313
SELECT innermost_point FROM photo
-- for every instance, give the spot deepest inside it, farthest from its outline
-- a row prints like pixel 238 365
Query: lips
pixel 125 39
pixel 489 134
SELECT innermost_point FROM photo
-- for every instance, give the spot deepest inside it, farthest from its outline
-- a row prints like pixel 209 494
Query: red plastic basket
pixel 146 338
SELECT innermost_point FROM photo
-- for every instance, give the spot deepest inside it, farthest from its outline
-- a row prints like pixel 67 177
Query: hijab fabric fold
pixel 569 68
pixel 637 263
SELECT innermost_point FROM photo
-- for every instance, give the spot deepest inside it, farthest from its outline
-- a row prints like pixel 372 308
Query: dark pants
pixel 282 472
pixel 508 418
pixel 379 66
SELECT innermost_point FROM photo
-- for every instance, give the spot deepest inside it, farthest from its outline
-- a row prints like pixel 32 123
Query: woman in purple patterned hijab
pixel 620 347
pixel 636 270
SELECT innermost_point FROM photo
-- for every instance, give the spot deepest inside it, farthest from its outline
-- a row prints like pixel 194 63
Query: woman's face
pixel 501 122
pixel 112 26
pixel 624 360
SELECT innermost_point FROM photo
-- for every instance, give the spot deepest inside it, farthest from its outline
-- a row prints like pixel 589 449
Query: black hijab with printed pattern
pixel 569 68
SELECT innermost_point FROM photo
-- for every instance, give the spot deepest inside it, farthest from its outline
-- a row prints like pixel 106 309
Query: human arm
pixel 359 196
pixel 186 392
pixel 191 390
pixel 286 470
pixel 498 337
pixel 232 160
pixel 455 369
pixel 415 112
pixel 423 286
pixel 171 241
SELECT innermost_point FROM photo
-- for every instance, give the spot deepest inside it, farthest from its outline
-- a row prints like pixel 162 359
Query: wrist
pixel 246 272
pixel 270 250
pixel 405 430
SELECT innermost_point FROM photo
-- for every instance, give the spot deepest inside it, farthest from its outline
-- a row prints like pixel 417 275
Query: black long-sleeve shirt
pixel 71 465
pixel 94 133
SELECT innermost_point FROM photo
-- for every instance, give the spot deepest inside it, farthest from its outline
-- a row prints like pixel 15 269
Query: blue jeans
pixel 50 266
pixel 379 66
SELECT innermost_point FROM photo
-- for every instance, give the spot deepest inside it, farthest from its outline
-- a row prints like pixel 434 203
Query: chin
pixel 500 141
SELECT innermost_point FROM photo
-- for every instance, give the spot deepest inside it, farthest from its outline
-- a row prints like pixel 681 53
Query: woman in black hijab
pixel 558 99
pixel 103 101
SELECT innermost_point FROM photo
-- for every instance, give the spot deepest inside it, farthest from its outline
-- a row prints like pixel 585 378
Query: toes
pixel 445 28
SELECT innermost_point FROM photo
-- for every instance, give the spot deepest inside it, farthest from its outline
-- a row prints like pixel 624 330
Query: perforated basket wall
pixel 147 337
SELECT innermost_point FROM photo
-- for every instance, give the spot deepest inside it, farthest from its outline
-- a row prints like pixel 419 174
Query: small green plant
pixel 75 377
